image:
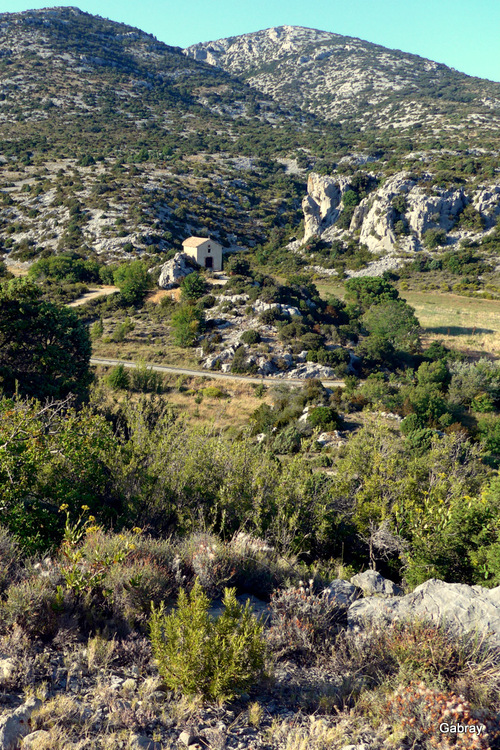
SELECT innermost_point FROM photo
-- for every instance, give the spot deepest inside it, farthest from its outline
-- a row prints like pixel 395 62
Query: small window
pixel 208 250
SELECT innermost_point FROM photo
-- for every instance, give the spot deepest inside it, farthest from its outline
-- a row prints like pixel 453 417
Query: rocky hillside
pixel 114 143
pixel 399 214
pixel 143 143
pixel 341 77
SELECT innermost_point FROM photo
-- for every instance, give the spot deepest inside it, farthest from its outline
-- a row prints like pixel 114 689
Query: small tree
pixel 44 349
pixel 133 281
pixel 118 378
pixel 197 655
pixel 186 324
pixel 193 286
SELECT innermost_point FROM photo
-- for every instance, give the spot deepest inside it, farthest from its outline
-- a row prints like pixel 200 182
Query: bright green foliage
pixel 133 281
pixel 350 198
pixel 197 655
pixel 193 286
pixel 122 330
pixel 83 575
pixel 395 323
pixel 44 349
pixel 369 290
pixel 118 378
pixel 65 268
pixel 49 457
pixel 96 330
pixel 186 325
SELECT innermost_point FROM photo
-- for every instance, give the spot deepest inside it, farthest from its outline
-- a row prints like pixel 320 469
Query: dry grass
pixel 159 352
pixel 233 411
pixel 156 297
pixel 466 323
pixel 469 324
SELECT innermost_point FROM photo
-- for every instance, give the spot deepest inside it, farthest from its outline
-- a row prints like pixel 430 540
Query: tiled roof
pixel 195 241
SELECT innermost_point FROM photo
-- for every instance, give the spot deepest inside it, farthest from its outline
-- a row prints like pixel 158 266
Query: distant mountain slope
pixel 339 77
pixel 73 69
pixel 113 142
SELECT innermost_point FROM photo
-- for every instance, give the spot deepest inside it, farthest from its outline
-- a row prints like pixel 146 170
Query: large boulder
pixel 372 583
pixel 174 270
pixel 16 725
pixel 462 608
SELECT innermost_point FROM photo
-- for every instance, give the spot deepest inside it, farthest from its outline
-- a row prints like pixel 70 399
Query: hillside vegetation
pixel 275 564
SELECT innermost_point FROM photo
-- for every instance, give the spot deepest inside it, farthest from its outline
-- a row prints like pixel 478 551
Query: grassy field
pixel 466 323
pixel 195 399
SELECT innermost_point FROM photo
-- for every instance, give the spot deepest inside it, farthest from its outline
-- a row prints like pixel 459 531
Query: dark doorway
pixel 209 262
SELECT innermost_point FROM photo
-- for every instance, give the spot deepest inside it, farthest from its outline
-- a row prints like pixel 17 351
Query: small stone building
pixel 206 252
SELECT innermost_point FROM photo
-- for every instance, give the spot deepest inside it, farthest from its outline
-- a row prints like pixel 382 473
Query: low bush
pixel 118 378
pixel 9 558
pixel 250 337
pixel 323 417
pixel 304 623
pixel 418 713
pixel 197 655
pixel 414 651
pixel 211 391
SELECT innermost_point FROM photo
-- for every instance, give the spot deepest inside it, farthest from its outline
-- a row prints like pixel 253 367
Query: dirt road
pixel 212 373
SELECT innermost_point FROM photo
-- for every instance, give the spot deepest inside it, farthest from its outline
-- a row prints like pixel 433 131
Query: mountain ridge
pixel 153 145
pixel 336 76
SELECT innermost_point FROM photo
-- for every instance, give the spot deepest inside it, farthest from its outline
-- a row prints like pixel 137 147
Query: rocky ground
pixel 103 692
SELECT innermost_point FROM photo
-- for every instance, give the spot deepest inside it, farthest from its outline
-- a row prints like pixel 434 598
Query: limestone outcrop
pixel 174 270
pixel 322 204
pixel 462 608
pixel 397 214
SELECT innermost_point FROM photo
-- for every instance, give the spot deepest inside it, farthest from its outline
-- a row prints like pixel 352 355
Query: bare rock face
pixel 434 211
pixel 396 215
pixel 487 202
pixel 322 204
pixel 375 215
pixel 462 608
pixel 173 271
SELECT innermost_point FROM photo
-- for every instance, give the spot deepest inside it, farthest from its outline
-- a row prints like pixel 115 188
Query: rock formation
pixel 174 270
pixel 464 609
pixel 397 214
pixel 322 204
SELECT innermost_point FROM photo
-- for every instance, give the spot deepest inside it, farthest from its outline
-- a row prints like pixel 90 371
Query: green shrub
pixel 199 656
pixel 146 380
pixel 193 286
pixel 206 302
pixel 240 364
pixel 187 322
pixel 118 378
pixel 324 417
pixel 250 337
pixel 434 238
pixel 211 391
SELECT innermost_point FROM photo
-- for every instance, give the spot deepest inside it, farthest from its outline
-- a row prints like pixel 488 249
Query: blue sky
pixel 464 34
